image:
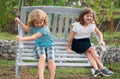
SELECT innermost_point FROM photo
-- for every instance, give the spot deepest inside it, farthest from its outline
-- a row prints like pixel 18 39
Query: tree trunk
pixel 111 25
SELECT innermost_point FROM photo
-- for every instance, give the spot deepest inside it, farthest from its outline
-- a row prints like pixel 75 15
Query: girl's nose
pixel 39 24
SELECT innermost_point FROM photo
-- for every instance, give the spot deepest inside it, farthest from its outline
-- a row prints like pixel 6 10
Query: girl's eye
pixel 89 15
pixel 38 22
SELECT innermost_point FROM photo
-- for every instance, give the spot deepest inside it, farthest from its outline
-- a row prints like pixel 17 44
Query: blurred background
pixel 107 15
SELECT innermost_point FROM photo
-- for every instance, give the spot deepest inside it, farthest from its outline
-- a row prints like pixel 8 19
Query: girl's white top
pixel 81 31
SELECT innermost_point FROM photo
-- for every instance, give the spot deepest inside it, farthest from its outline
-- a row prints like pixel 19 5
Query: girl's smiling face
pixel 88 18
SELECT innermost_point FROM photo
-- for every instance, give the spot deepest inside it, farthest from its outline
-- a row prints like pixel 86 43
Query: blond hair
pixel 37 15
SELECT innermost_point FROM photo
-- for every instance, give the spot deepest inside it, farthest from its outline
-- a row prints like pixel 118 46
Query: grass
pixel 6 36
pixel 7 67
pixel 109 36
pixel 4 62
pixel 110 39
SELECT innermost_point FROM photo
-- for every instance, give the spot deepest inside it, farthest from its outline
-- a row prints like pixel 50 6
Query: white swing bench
pixel 60 19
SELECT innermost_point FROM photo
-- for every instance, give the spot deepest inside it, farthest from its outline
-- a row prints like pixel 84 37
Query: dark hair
pixel 83 13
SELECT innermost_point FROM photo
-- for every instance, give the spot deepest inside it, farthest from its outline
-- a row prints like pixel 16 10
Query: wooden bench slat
pixel 58 58
pixel 58 55
pixel 58 64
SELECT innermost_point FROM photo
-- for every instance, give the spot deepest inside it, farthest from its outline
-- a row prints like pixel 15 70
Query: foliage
pixel 45 2
pixel 6 11
pixel 59 2
pixel 117 4
pixel 103 8
pixel 11 8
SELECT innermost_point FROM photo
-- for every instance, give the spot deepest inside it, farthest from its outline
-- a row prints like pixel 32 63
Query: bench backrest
pixel 60 19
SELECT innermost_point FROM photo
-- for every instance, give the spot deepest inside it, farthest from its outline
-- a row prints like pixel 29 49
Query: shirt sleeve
pixel 43 31
pixel 93 27
pixel 31 30
pixel 74 27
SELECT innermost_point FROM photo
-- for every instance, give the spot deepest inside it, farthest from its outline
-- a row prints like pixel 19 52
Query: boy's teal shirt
pixel 45 40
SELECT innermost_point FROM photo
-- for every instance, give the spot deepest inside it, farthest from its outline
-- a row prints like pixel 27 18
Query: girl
pixel 44 44
pixel 79 38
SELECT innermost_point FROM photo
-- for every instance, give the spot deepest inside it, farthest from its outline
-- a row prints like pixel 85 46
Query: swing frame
pixel 60 19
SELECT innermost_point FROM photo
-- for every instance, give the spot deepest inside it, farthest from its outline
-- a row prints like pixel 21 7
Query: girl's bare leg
pixel 52 68
pixel 41 66
pixel 96 58
pixel 92 60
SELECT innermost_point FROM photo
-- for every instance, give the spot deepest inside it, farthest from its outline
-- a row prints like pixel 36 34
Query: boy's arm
pixel 29 38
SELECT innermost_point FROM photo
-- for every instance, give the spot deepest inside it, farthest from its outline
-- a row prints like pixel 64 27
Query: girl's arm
pixel 24 27
pixel 29 38
pixel 70 41
pixel 101 42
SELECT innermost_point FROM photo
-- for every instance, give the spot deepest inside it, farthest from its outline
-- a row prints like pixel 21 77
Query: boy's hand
pixel 70 51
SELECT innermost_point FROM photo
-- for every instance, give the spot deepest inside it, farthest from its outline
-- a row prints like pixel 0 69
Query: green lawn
pixel 6 36
pixel 7 69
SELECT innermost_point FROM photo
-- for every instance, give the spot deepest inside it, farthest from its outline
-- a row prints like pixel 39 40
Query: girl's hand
pixel 18 38
pixel 102 43
pixel 70 51
pixel 17 20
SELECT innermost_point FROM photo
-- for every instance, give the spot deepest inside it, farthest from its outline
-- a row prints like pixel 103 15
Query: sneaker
pixel 97 72
pixel 106 72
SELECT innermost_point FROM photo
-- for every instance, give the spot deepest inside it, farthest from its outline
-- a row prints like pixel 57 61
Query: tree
pixel 6 13
pixel 103 8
